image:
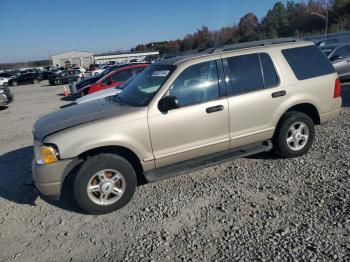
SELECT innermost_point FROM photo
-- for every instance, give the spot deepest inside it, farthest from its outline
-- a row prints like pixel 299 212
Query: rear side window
pixel 243 73
pixel 308 62
pixel 269 71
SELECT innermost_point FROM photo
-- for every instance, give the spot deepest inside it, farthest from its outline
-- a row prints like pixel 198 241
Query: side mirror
pixel 168 103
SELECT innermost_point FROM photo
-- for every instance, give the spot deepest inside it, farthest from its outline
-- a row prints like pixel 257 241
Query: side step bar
pixel 188 166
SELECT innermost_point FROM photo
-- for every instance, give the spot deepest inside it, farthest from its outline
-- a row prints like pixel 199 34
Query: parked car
pixel 183 113
pixel 28 78
pixel 339 55
pixel 103 93
pixel 65 77
pixel 115 78
pixel 79 68
pixel 46 74
pixel 4 81
pixel 83 85
pixel 5 75
pixel 327 42
pixel 99 70
pixel 5 96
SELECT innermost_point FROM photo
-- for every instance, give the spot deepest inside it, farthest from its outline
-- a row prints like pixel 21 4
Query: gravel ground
pixel 257 208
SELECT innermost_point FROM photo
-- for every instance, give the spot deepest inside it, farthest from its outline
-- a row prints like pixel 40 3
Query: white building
pixel 125 57
pixel 80 58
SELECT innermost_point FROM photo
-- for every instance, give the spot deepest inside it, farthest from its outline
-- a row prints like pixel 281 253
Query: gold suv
pixel 184 113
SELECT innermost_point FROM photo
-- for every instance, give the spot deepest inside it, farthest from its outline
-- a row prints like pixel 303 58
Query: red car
pixel 116 77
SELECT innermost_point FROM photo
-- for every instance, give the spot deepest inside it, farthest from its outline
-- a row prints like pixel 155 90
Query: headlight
pixel 45 154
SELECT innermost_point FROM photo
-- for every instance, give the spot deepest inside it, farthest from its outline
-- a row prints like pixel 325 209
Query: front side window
pixel 196 84
pixel 243 74
pixel 144 86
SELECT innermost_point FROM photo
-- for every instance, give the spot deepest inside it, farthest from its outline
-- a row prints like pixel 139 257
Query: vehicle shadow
pixel 68 98
pixel 15 172
pixel 16 176
pixel 3 108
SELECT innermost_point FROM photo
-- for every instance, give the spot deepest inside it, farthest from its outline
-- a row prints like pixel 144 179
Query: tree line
pixel 283 20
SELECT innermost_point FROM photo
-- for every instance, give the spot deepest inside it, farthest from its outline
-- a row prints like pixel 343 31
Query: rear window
pixel 308 62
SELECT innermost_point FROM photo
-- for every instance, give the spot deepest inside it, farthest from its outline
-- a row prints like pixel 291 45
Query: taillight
pixel 337 89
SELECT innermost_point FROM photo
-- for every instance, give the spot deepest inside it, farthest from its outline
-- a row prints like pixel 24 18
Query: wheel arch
pixel 306 108
pixel 124 152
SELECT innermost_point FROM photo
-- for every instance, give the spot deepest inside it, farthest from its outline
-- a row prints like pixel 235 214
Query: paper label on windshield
pixel 161 73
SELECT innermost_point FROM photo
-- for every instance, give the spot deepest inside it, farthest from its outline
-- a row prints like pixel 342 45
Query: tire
pixel 300 138
pixel 90 175
pixel 35 81
pixel 14 83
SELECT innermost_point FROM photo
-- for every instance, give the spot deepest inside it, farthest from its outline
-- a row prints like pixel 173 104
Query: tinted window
pixel 197 83
pixel 243 73
pixel 122 76
pixel 270 75
pixel 307 62
pixel 343 51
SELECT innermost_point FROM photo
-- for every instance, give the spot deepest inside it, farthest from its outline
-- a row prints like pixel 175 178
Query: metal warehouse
pixel 80 58
pixel 124 57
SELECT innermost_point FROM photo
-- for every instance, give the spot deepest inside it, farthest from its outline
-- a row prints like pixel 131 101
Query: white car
pixel 100 70
pixel 3 80
pixel 103 93
pixel 98 95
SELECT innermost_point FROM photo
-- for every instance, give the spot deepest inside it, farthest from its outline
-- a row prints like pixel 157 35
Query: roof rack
pixel 266 42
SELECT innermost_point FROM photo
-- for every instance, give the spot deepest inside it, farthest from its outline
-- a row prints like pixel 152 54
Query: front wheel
pixel 295 135
pixel 104 183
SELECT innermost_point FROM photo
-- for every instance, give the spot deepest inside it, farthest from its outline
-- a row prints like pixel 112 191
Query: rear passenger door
pixel 252 81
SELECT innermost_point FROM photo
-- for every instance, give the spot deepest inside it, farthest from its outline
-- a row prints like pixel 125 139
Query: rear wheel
pixel 104 183
pixel 295 135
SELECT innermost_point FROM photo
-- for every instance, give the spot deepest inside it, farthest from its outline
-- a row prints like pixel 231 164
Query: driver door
pixel 200 126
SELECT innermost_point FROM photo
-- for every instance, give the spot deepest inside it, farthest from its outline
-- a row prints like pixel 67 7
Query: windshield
pixel 122 86
pixel 143 87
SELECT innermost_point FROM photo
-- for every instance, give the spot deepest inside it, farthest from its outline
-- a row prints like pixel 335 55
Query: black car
pixel 46 74
pixel 5 96
pixel 29 78
pixel 65 77
pixel 6 75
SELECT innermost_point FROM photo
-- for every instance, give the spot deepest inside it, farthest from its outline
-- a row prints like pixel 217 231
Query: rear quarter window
pixel 308 62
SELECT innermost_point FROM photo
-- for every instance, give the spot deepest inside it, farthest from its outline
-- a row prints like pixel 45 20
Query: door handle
pixel 214 109
pixel 279 94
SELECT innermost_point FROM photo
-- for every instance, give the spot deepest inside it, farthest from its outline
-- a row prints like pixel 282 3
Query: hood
pixel 98 95
pixel 77 115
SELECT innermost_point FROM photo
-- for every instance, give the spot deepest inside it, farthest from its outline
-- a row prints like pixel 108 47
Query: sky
pixel 35 29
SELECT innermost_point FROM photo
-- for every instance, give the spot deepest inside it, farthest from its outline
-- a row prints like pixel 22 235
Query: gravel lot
pixel 258 208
